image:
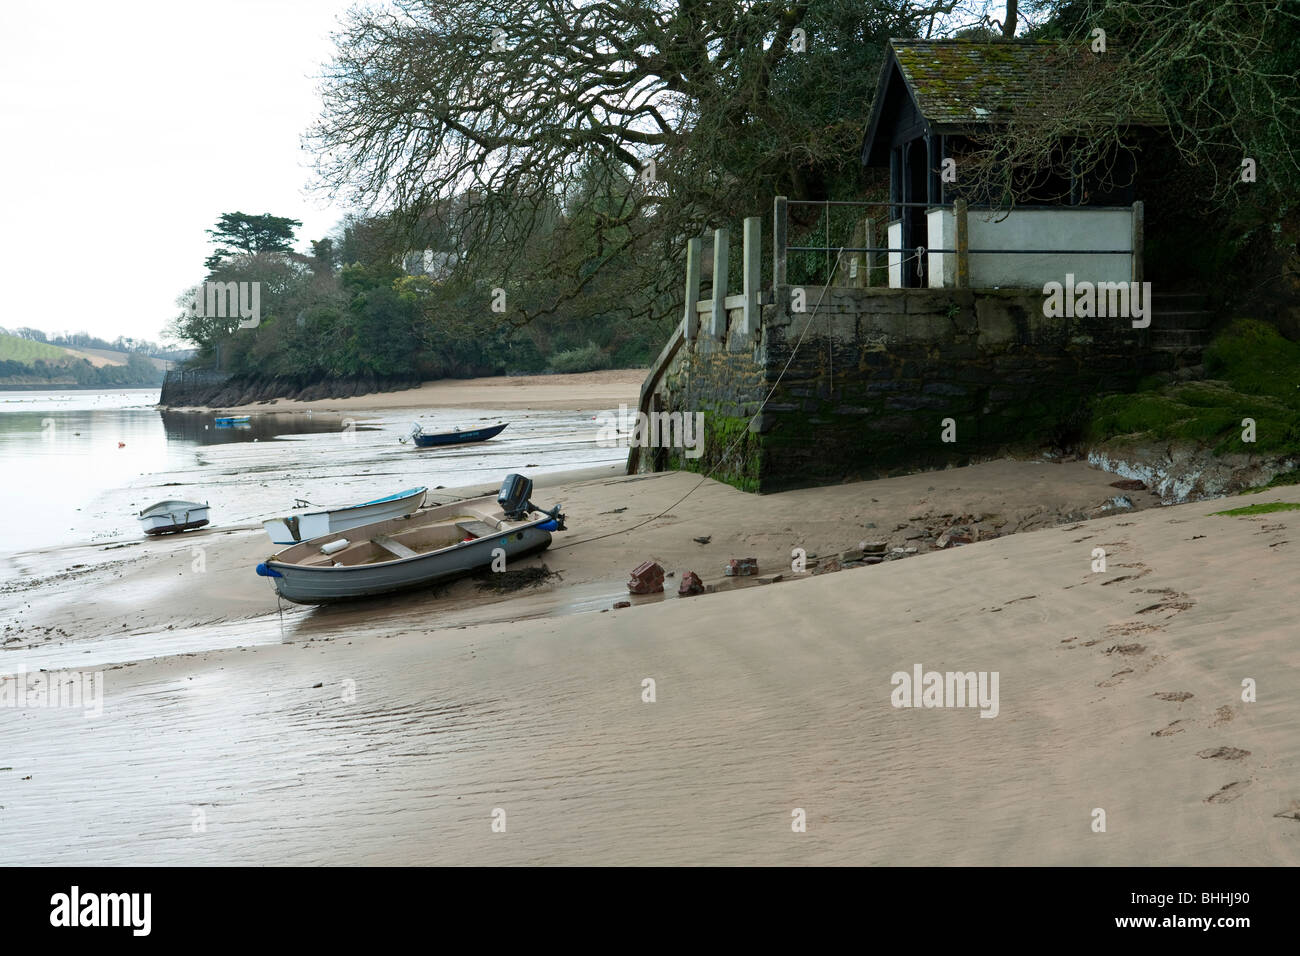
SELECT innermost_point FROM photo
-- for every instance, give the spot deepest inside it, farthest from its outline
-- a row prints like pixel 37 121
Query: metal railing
pixel 863 244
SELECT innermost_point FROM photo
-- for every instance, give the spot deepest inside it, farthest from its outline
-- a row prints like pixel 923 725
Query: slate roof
pixel 964 82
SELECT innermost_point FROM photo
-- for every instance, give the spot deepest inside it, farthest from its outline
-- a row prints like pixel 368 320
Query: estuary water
pixel 77 466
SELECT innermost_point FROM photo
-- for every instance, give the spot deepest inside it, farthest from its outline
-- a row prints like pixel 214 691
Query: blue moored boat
pixel 453 438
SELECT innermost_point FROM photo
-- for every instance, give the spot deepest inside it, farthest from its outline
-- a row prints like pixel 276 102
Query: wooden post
pixel 692 287
pixel 1139 228
pixel 778 242
pixel 962 244
pixel 753 270
pixel 718 321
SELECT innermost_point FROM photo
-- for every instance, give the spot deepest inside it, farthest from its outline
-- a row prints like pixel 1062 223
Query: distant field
pixel 14 349
pixel 100 357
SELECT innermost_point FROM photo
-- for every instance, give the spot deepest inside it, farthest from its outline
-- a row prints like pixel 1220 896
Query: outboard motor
pixel 513 499
pixel 513 496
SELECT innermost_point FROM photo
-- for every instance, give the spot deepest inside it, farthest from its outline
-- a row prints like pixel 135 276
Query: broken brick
pixel 647 578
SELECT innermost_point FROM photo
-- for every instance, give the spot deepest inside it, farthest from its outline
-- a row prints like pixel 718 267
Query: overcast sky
pixel 127 128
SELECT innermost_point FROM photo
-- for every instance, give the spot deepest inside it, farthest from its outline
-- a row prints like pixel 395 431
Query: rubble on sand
pixel 742 566
pixel 691 584
pixel 647 578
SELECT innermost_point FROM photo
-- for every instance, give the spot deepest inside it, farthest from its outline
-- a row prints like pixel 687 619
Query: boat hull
pixel 419 550
pixel 329 585
pixel 458 438
pixel 169 517
pixel 292 529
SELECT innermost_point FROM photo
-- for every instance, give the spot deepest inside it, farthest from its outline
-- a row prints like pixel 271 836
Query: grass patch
pixel 26 351
pixel 1260 509
pixel 1253 372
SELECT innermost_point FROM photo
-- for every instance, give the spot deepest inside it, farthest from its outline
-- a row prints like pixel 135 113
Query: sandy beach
pixel 593 390
pixel 395 731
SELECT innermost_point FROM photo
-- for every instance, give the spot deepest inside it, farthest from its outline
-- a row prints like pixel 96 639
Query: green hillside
pixel 14 349
pixel 28 364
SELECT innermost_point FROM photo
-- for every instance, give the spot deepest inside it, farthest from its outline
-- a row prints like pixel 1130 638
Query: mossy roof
pixel 965 82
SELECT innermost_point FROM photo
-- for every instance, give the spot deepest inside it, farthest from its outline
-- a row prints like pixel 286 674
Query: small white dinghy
pixel 434 546
pixel 292 529
pixel 166 517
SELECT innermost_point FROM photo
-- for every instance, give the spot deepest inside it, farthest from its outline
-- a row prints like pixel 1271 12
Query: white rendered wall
pixel 1047 227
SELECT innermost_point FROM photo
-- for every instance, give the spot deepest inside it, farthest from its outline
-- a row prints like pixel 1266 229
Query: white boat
pixel 168 516
pixel 312 524
pixel 416 551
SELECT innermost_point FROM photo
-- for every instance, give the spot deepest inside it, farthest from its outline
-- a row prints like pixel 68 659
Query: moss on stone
pixel 1256 375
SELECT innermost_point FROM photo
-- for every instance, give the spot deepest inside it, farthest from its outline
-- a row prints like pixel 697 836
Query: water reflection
pixel 200 428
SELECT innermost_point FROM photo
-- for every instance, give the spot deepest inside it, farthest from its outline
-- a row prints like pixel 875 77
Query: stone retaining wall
pixel 862 386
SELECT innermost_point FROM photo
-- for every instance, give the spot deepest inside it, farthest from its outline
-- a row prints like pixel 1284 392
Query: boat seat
pixel 479 529
pixel 393 547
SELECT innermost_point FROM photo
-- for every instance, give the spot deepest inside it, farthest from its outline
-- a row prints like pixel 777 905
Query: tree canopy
pixel 240 233
pixel 574 138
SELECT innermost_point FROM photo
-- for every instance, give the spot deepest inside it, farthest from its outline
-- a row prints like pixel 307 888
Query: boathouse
pixel 839 357
pixel 938 101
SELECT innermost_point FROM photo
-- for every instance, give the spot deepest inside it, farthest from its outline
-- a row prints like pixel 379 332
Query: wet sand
pixel 156 587
pixel 1119 690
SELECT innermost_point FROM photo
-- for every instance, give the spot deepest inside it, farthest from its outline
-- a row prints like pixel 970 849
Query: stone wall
pixel 861 387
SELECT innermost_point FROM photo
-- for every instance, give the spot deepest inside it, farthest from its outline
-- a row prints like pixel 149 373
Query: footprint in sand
pixel 1223 753
pixel 1115 678
pixel 1153 661
pixel 1127 650
pixel 1223 715
pixel 1174 601
pixel 1128 577
pixel 1228 792
pixel 1290 813
pixel 1131 628
pixel 1169 731
pixel 1177 696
